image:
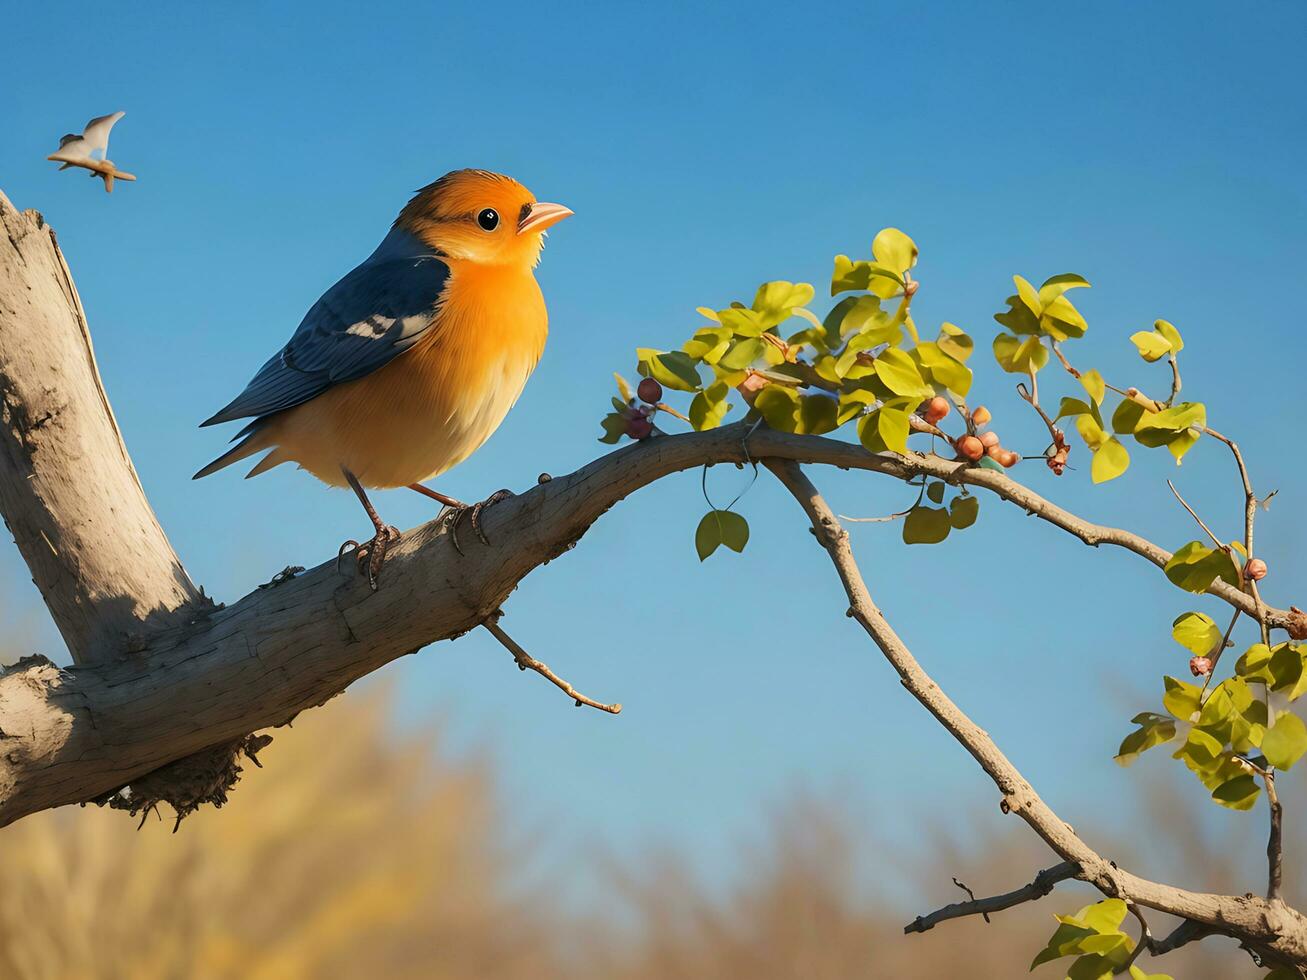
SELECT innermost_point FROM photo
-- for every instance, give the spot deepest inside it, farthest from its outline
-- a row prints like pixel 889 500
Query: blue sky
pixel 1156 149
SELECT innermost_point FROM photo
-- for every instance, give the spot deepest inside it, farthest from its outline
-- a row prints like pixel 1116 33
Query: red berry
pixel 935 409
pixel 650 391
pixel 1009 459
pixel 989 440
pixel 980 415
pixel 1255 570
pixel 970 447
pixel 639 428
pixel 1200 666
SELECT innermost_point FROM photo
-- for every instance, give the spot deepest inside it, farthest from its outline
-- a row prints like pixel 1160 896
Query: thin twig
pixel 1194 514
pixel 527 662
pixel 1215 655
pixel 1249 524
pixel 1042 884
pixel 1175 380
pixel 1145 940
pixel 1186 932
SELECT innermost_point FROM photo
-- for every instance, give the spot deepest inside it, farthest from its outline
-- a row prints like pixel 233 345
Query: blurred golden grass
pixel 361 854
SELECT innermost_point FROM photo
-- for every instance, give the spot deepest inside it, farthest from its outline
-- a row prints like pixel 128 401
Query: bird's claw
pixel 453 515
pixel 370 556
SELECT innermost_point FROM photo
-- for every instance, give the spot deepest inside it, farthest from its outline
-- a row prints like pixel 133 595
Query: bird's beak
pixel 543 215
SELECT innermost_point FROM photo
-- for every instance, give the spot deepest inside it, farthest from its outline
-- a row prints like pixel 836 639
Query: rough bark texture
pixel 70 494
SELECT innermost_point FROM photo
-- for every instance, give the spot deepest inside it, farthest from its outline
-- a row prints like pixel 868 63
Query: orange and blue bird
pixel 404 367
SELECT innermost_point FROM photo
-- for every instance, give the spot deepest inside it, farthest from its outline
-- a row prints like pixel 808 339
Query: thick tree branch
pixel 1043 883
pixel 1269 926
pixel 74 735
pixel 69 493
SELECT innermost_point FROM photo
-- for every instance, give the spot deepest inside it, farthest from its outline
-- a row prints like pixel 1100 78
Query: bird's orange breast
pixel 434 405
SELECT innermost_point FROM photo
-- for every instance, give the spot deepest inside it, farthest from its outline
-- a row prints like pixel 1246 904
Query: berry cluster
pixel 974 444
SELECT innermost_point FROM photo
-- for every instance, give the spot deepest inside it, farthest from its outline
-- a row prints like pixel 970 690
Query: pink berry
pixel 650 391
pixel 1200 666
pixel 1255 570
pixel 970 447
pixel 935 409
pixel 639 428
pixel 989 439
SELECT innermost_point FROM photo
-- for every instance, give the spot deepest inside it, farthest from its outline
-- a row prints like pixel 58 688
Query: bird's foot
pixel 371 556
pixel 452 516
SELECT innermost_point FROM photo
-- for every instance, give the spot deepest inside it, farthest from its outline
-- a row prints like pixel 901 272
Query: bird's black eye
pixel 488 219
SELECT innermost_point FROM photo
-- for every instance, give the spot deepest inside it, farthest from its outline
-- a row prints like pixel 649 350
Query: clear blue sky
pixel 1157 149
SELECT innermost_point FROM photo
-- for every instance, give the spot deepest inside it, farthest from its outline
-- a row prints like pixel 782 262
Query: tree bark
pixel 69 492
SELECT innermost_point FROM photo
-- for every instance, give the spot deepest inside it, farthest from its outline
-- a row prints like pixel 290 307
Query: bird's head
pixel 481 217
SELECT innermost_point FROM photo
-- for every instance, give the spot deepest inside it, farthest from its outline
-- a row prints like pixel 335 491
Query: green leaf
pixel 1239 793
pixel 1017 356
pixel 672 369
pixel 779 405
pixel 1171 420
pixel 1197 633
pixel 1110 457
pixel 623 388
pixel 1255 664
pixel 817 414
pixel 1152 345
pixel 935 492
pixel 926 525
pixel 1095 385
pixel 942 368
pixel 1181 699
pixel 894 250
pixel 1072 406
pixel 742 354
pixel 709 406
pixel 1153 730
pixel 1027 294
pixel 1285 741
pixel 1062 321
pixel 614 428
pixel 1194 567
pixel 886 428
pixel 777 299
pixel 955 342
pixel 742 322
pixel 1126 417
pixel 1110 461
pixel 1055 286
pixel 720 527
pixel 900 375
pixel 852 404
pixel 1170 334
pixel 962 511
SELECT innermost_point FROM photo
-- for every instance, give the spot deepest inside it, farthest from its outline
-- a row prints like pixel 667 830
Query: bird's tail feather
pixel 256 440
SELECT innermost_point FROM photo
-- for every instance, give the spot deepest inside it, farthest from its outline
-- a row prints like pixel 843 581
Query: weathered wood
pixel 68 490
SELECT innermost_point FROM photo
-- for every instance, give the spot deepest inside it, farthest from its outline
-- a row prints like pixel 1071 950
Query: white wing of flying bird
pixel 91 150
pixel 94 138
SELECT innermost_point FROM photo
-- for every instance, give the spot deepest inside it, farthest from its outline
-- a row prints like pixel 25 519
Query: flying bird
pixel 80 151
pixel 404 367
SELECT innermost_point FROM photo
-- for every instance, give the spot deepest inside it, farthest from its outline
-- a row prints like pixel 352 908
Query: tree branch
pixel 1043 883
pixel 69 493
pixel 1269 926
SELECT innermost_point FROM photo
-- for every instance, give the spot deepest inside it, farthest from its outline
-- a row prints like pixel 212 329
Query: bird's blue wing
pixel 375 313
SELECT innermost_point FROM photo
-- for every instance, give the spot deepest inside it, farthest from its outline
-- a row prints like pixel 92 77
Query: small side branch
pixel 1043 883
pixel 527 662
pixel 1274 843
